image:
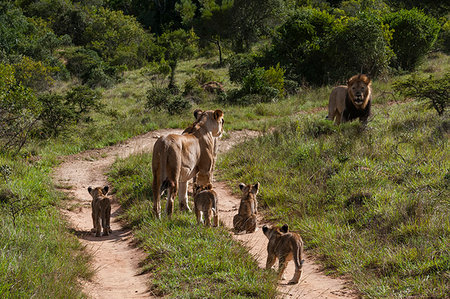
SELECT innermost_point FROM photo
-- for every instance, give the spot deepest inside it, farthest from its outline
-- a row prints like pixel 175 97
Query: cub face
pixel 249 189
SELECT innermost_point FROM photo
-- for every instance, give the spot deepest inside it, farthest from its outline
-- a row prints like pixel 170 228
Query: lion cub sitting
pixel 285 246
pixel 101 209
pixel 245 220
pixel 205 202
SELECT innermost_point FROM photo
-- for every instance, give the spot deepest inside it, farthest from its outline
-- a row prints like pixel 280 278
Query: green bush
pixel 33 74
pixel 178 105
pixel 443 42
pixel 436 92
pixel 316 47
pixel 413 37
pixel 240 65
pixel 158 98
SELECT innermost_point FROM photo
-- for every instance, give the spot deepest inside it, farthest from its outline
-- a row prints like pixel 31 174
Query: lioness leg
pixel 156 195
pixel 183 196
pixel 172 190
pixel 108 218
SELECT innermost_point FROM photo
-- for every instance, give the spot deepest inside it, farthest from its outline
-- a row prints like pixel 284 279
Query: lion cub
pixel 245 220
pixel 205 202
pixel 101 209
pixel 285 246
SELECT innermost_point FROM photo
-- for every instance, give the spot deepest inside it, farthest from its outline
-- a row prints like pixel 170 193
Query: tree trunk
pixel 219 46
pixel 173 66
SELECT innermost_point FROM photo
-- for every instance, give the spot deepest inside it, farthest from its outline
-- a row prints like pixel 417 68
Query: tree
pixel 177 45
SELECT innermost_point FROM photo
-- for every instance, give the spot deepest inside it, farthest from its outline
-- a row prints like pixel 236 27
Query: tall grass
pixel 38 257
pixel 186 260
pixel 372 202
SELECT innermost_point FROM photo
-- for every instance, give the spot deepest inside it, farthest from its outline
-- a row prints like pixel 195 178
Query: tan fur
pixel 179 158
pixel 245 220
pixel 205 202
pixel 285 246
pixel 101 210
pixel 359 90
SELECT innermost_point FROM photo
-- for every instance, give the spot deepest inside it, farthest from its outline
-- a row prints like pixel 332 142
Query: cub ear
pixel 285 228
pixel 255 188
pixel 197 113
pixel 105 190
pixel 209 186
pixel 265 228
pixel 89 189
pixel 242 186
pixel 218 113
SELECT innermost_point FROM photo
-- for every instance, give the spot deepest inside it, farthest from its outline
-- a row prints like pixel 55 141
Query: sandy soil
pixel 116 259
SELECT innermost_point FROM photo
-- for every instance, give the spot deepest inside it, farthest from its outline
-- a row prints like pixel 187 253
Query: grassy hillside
pixel 372 202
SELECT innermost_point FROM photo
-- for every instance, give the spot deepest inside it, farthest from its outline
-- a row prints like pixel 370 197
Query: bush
pixel 413 37
pixel 315 47
pixel 32 74
pixel 178 105
pixel 240 66
pixel 443 42
pixel 436 92
pixel 19 110
pixel 158 98
pixel 193 85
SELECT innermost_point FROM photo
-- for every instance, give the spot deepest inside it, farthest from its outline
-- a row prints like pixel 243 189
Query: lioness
pixel 352 101
pixel 285 246
pixel 205 202
pixel 245 220
pixel 178 158
pixel 101 209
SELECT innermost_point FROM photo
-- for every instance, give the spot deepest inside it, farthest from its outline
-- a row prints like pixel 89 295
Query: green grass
pixel 372 203
pixel 185 260
pixel 39 257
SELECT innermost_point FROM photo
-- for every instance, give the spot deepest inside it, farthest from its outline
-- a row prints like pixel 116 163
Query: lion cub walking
pixel 205 202
pixel 101 209
pixel 285 246
pixel 245 220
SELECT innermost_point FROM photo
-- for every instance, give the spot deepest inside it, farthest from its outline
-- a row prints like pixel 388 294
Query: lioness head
pixel 212 120
pixel 98 191
pixel 249 189
pixel 359 89
pixel 274 231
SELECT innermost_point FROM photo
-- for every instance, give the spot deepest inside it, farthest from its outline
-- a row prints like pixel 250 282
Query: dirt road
pixel 116 260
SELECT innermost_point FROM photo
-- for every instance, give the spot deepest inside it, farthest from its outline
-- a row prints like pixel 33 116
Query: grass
pixel 185 260
pixel 39 257
pixel 373 202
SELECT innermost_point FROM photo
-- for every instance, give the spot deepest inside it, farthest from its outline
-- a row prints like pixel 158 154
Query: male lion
pixel 245 220
pixel 101 209
pixel 179 158
pixel 352 101
pixel 285 246
pixel 205 202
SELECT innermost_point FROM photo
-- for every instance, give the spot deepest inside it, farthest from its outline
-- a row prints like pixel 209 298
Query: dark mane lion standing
pixel 352 101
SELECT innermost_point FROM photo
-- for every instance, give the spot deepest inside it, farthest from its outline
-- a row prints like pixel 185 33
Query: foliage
pixel 261 81
pixel 62 111
pixel 200 76
pixel 159 98
pixel 443 42
pixel 373 202
pixel 177 45
pixel 240 65
pixel 19 110
pixel 33 74
pixel 413 37
pixel 315 47
pixel 436 92
pixel 223 269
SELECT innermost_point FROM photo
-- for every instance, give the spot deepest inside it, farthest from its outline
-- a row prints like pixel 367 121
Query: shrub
pixel 240 66
pixel 32 74
pixel 436 92
pixel 413 37
pixel 200 77
pixel 178 105
pixel 443 42
pixel 19 110
pixel 269 82
pixel 82 100
pixel 158 98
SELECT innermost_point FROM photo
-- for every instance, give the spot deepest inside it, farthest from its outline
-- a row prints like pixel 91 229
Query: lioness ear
pixel 255 188
pixel 285 228
pixel 218 113
pixel 197 113
pixel 89 189
pixel 242 186
pixel 105 190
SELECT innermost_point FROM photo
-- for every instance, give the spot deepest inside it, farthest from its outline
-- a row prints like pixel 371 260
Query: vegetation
pixel 77 75
pixel 372 202
pixel 185 259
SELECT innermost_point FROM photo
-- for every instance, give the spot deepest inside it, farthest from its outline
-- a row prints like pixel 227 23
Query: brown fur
pixel 285 246
pixel 352 101
pixel 205 202
pixel 245 220
pixel 101 209
pixel 179 158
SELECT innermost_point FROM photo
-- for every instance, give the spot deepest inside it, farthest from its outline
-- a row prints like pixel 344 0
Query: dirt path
pixel 116 260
